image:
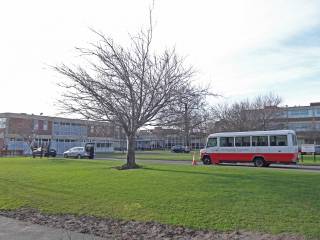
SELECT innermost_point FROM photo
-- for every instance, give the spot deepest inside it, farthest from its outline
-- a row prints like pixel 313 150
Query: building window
pixel 300 112
pixel 3 122
pixel 35 125
pixel 300 126
pixel 45 125
pixel 317 111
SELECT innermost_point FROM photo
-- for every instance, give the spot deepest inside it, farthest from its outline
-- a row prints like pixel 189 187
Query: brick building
pixel 19 131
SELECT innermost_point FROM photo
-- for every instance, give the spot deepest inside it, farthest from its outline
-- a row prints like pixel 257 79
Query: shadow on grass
pixel 178 171
pixel 232 177
pixel 32 186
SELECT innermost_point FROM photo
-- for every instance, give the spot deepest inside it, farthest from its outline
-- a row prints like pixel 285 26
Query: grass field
pixel 206 197
pixel 310 160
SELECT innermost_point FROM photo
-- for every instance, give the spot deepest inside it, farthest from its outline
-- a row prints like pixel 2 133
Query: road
pixel 310 168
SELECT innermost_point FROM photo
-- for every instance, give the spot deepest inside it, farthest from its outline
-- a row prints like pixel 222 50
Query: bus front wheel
pixel 259 162
pixel 206 160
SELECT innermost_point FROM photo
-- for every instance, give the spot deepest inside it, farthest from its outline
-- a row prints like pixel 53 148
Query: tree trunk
pixel 131 160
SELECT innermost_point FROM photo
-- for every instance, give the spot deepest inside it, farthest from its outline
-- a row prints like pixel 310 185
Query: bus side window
pixel 259 141
pixel 278 140
pixel 246 141
pixel 254 141
pixel 242 141
pixel 238 141
pixel 226 141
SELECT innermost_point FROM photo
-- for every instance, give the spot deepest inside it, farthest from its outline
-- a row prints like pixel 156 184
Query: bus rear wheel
pixel 259 162
pixel 206 160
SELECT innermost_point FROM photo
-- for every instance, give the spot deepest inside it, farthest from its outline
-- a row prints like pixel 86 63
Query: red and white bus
pixel 260 147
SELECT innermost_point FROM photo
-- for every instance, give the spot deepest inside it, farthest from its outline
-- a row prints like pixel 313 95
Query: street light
pixel 287 113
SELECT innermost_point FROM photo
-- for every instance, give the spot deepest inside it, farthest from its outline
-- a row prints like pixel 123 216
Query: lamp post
pixel 287 116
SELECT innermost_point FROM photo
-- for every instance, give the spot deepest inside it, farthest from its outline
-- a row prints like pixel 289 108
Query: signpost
pixel 308 148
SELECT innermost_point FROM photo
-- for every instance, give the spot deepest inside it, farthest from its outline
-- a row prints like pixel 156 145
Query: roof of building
pixel 50 118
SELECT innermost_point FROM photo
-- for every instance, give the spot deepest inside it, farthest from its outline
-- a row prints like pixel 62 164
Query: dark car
pixel 317 149
pixel 44 152
pixel 180 149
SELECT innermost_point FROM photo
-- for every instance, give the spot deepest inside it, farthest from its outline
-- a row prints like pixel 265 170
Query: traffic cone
pixel 194 162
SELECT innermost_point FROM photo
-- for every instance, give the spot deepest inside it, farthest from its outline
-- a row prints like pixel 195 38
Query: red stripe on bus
pixel 248 157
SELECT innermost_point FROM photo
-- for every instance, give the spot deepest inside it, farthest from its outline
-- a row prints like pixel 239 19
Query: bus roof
pixel 252 133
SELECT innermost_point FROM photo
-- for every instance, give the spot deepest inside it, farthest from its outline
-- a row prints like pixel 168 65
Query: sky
pixel 241 48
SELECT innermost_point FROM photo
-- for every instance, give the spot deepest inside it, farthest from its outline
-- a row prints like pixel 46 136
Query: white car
pixel 78 152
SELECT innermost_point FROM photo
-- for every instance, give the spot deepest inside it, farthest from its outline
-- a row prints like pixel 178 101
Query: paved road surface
pixel 313 168
pixel 11 229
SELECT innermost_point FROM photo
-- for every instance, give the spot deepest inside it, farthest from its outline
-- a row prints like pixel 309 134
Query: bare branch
pixel 131 87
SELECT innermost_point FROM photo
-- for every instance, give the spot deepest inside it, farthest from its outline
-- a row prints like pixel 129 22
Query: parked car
pixel 44 152
pixel 78 152
pixel 180 149
pixel 317 149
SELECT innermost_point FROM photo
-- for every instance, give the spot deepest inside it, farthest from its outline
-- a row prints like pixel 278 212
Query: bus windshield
pixel 212 142
pixel 294 139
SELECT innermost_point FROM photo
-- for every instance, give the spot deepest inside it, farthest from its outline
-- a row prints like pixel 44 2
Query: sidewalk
pixel 11 229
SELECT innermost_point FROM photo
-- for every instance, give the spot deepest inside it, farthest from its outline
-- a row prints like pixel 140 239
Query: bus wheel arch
pixel 206 160
pixel 259 161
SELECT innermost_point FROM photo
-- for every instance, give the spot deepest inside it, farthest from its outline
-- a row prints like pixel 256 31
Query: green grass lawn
pixel 206 197
pixel 153 155
pixel 310 160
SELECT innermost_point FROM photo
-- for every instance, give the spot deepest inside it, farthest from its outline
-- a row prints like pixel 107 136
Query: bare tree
pixel 130 87
pixel 234 117
pixel 190 113
pixel 259 114
pixel 266 110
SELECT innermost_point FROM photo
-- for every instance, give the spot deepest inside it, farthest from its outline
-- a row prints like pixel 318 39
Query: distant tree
pixel 234 117
pixel 27 134
pixel 131 87
pixel 266 110
pixel 190 113
pixel 29 141
pixel 245 115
